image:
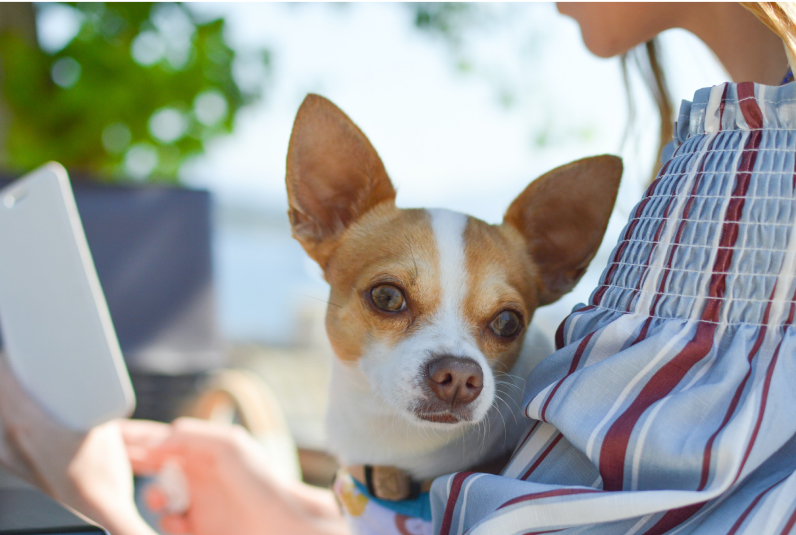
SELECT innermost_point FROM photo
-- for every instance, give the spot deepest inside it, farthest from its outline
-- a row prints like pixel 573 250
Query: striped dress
pixel 670 405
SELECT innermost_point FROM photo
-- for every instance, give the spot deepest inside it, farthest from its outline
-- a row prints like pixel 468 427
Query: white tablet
pixel 56 328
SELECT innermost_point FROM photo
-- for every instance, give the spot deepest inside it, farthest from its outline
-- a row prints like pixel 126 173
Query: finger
pixel 148 462
pixel 142 461
pixel 148 444
pixel 144 432
pixel 154 498
pixel 175 524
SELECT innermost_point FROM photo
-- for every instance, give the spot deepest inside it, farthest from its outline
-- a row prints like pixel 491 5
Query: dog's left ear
pixel 334 176
pixel 563 215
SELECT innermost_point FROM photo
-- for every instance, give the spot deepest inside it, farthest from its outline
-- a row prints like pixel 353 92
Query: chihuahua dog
pixel 429 309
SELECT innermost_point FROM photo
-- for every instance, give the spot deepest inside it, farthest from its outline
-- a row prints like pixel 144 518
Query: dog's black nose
pixel 455 380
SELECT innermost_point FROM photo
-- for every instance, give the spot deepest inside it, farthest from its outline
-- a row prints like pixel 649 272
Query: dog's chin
pixel 444 419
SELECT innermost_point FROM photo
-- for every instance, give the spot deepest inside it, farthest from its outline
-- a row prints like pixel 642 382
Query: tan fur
pixel 334 176
pixel 563 215
pixel 500 275
pixel 387 245
pixel 394 246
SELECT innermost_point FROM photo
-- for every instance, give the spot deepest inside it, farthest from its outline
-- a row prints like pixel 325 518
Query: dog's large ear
pixel 334 176
pixel 563 215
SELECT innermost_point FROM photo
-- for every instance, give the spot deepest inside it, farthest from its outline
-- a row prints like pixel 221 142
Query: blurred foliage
pixel 448 19
pixel 451 22
pixel 140 88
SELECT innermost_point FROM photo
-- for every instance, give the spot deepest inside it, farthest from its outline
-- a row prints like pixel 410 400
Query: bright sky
pixel 444 136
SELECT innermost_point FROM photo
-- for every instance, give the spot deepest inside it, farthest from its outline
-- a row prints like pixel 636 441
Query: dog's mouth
pixel 443 413
pixel 438 417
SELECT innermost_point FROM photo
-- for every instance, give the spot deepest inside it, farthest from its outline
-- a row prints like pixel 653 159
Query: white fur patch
pixel 448 230
pixel 398 372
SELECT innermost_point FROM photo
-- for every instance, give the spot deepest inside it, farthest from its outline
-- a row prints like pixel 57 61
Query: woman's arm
pixel 231 484
pixel 89 472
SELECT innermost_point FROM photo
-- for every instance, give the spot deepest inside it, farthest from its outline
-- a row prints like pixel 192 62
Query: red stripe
pixel 655 239
pixel 676 242
pixel 749 108
pixel 598 295
pixel 789 525
pixel 751 507
pixel 680 229
pixel 761 334
pixel 547 494
pixel 522 443
pixel 644 329
pixel 674 518
pixel 615 443
pixel 721 104
pixel 793 189
pixel 542 457
pixel 572 367
pixel 766 387
pixel 560 341
pixel 560 333
pixel 612 454
pixel 456 487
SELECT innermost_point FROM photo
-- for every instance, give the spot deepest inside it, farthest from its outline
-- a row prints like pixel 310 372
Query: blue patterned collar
pixel 419 507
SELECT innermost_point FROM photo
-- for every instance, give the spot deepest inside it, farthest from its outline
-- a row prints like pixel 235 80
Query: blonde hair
pixel 646 59
pixel 779 17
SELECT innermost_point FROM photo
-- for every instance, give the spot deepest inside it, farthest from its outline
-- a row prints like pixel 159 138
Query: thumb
pixel 149 444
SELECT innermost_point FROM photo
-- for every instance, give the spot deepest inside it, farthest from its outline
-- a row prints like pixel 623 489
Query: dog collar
pixel 388 482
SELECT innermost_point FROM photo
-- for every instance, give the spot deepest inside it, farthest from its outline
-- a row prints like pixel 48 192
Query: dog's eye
pixel 388 298
pixel 506 324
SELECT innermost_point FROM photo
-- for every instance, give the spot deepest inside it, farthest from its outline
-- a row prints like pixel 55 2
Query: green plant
pixel 140 88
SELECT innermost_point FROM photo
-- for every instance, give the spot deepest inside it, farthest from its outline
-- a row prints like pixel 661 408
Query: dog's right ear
pixel 562 216
pixel 334 176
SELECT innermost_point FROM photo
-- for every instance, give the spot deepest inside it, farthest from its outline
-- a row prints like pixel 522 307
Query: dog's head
pixel 431 304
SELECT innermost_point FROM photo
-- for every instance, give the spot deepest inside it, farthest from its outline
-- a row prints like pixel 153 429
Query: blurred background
pixel 174 119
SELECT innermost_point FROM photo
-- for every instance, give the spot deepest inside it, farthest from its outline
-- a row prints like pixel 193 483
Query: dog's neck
pixel 363 429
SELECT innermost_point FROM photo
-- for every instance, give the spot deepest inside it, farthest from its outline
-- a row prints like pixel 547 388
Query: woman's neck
pixel 745 46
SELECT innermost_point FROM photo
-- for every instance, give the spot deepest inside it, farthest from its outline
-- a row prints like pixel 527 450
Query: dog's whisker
pixel 509 375
pixel 483 436
pixel 505 426
pixel 506 366
pixel 511 401
pixel 319 299
pixel 515 390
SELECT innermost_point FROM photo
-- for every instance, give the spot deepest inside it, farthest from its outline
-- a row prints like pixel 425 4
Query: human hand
pixel 231 485
pixel 89 472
